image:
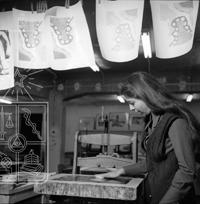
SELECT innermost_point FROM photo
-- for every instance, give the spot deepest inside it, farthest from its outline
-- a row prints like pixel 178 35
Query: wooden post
pixel 75 153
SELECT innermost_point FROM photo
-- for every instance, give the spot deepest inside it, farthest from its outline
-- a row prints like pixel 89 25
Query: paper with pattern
pixel 174 26
pixel 23 153
pixel 31 40
pixel 6 52
pixel 71 45
pixel 118 25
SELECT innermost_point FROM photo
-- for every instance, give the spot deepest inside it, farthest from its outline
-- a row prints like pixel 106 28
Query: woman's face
pixel 138 105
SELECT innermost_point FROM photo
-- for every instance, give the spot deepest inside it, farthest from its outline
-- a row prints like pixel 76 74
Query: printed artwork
pixel 6 54
pixel 174 26
pixel 118 25
pixel 62 28
pixel 100 121
pixel 23 84
pixel 23 141
pixel 70 38
pixel 136 122
pixel 31 40
pixel 86 123
pixel 50 39
pixel 118 121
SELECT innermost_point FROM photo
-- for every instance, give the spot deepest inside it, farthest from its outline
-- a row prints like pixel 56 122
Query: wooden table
pixel 18 187
pixel 11 193
pixel 81 186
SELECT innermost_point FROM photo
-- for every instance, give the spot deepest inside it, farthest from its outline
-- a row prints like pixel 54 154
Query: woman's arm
pixel 138 168
pixel 135 169
pixel 181 139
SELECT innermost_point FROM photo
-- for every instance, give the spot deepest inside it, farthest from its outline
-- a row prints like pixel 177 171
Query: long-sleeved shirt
pixel 180 140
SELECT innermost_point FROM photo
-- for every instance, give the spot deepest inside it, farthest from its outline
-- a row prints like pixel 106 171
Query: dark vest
pixel 161 167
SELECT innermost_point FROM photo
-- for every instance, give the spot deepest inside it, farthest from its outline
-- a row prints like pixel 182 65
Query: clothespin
pixel 45 6
pixel 32 6
pixel 38 7
pixel 41 6
pixel 81 2
pixel 67 3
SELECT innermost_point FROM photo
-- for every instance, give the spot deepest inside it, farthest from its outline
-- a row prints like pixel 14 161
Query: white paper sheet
pixel 31 40
pixel 6 51
pixel 71 45
pixel 118 25
pixel 174 26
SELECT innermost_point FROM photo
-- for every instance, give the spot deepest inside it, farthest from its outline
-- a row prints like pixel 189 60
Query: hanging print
pixel 174 26
pixel 71 45
pixel 118 25
pixel 31 38
pixel 6 54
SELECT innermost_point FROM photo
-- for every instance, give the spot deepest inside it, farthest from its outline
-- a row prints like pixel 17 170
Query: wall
pixel 55 129
pixel 195 108
pixel 73 113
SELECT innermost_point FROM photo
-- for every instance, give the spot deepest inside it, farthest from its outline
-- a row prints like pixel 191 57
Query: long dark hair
pixel 146 87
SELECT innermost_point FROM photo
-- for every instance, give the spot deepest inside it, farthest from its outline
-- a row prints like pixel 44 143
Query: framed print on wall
pixel 100 121
pixel 86 123
pixel 118 121
pixel 136 122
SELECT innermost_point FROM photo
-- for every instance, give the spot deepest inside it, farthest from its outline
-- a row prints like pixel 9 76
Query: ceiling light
pixel 146 45
pixel 120 99
pixel 4 100
pixel 189 98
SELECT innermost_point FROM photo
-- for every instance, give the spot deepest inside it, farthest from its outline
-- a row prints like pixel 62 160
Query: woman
pixel 171 133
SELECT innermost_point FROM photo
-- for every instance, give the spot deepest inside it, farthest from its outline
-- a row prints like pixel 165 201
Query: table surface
pixel 10 193
pixel 121 188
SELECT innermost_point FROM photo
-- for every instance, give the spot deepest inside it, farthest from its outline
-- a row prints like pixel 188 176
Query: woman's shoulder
pixel 179 125
pixel 179 122
pixel 175 120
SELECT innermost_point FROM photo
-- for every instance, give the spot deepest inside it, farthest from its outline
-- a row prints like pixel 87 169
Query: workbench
pixel 13 193
pixel 18 187
pixel 62 186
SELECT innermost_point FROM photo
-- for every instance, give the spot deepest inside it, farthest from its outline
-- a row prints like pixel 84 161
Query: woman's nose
pixel 131 107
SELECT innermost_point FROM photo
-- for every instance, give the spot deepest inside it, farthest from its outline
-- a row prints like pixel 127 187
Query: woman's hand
pixel 171 203
pixel 113 174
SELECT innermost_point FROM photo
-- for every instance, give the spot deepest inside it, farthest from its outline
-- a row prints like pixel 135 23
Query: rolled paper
pixel 6 51
pixel 71 46
pixel 118 25
pixel 31 40
pixel 174 25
